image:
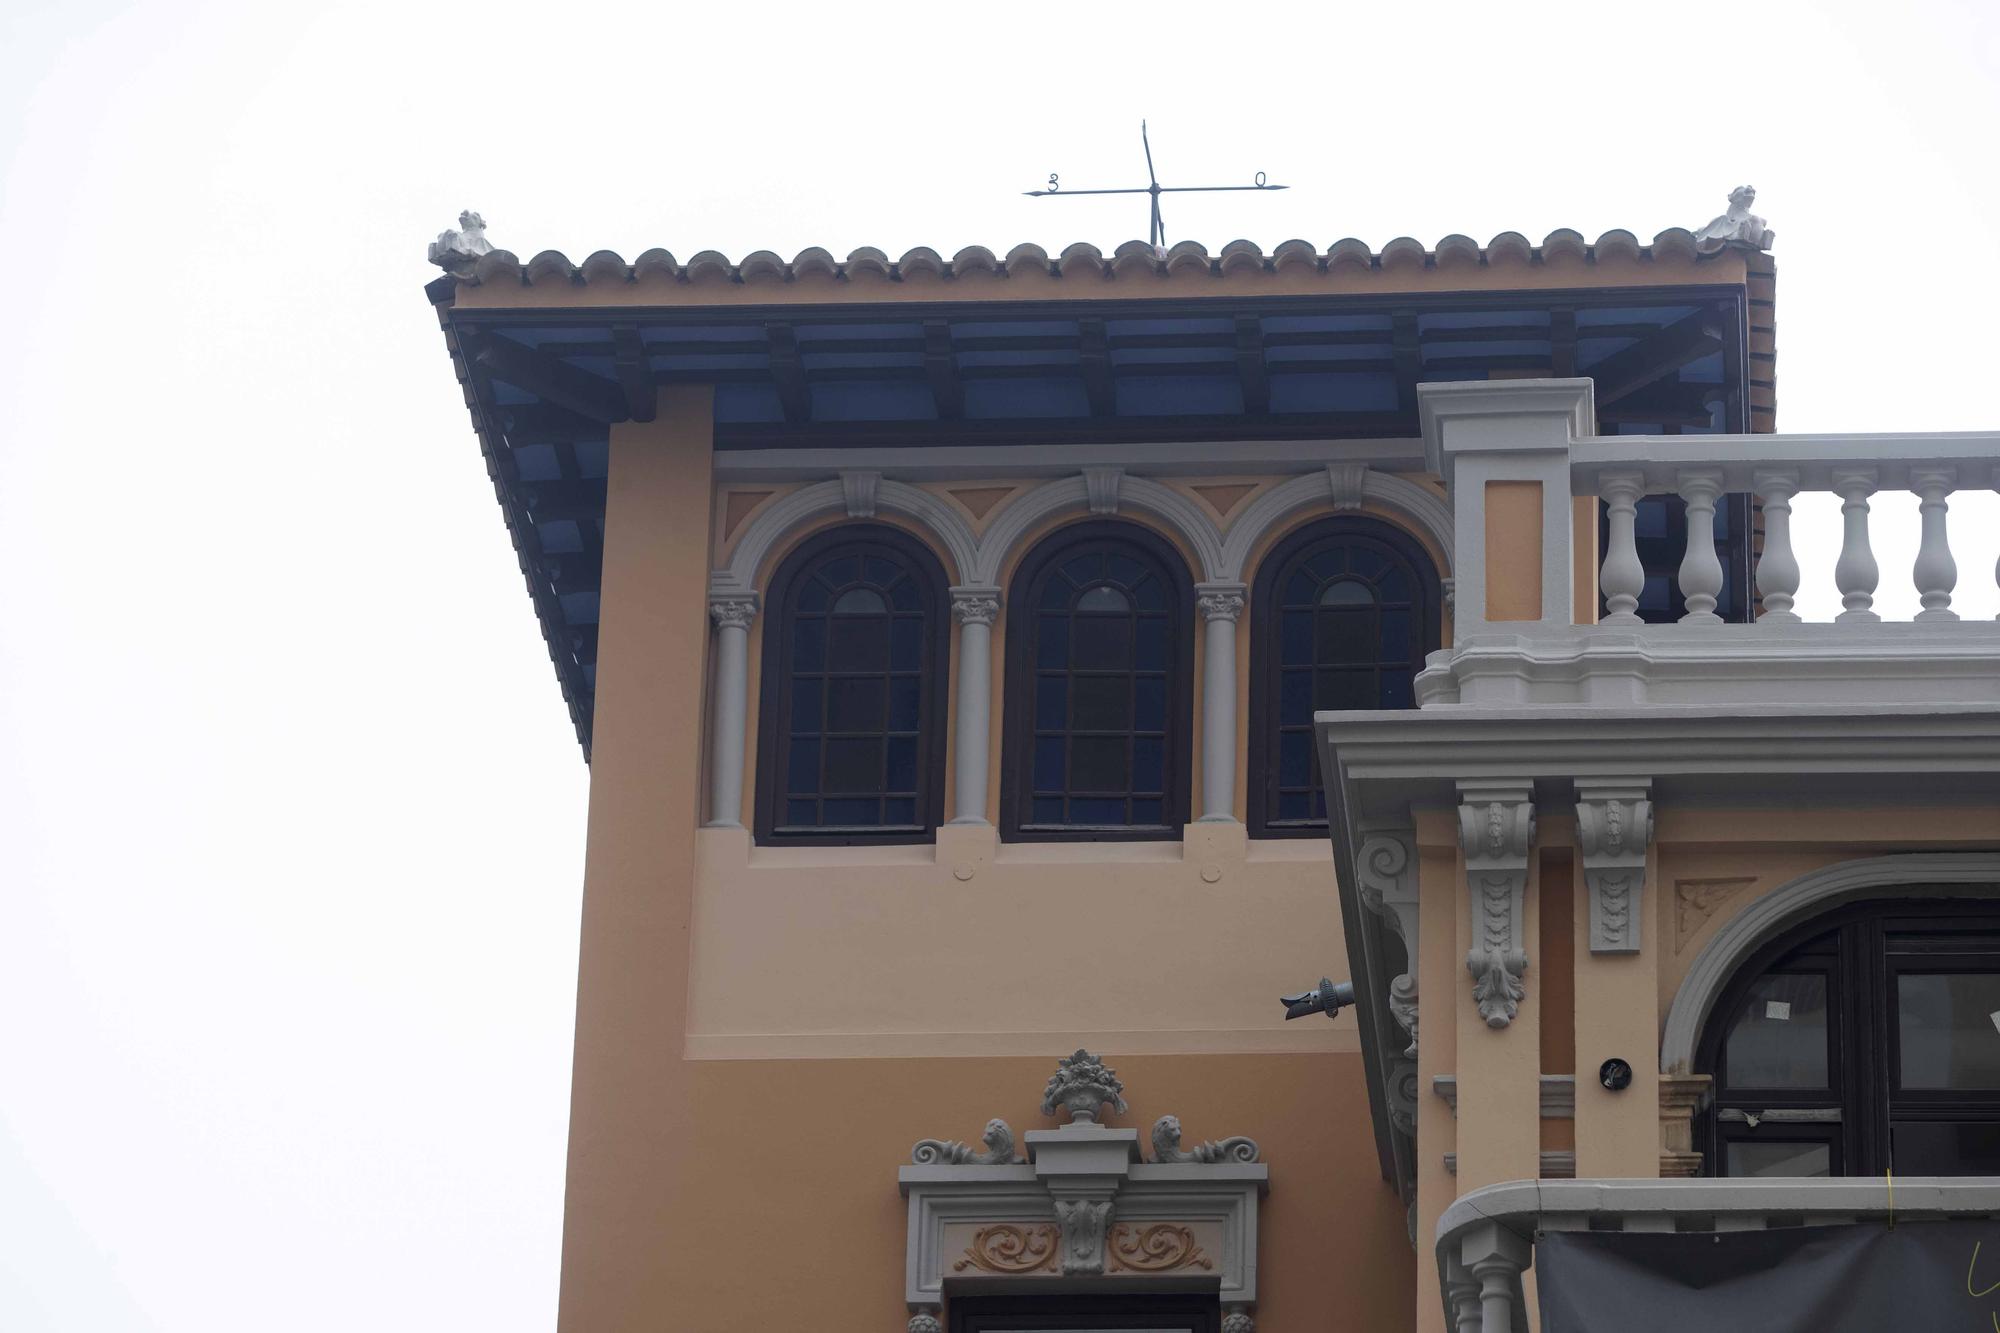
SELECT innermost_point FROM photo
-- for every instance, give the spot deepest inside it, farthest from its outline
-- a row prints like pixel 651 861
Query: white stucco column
pixel 975 607
pixel 732 613
pixel 1221 604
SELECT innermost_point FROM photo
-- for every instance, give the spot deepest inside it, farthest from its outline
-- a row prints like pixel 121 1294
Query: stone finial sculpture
pixel 1081 1085
pixel 998 1138
pixel 1739 226
pixel 1167 1146
pixel 456 251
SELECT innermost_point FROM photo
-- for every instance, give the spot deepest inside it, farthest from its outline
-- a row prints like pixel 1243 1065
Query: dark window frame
pixel 1199 1311
pixel 1267 657
pixel 1861 948
pixel 775 679
pixel 1020 674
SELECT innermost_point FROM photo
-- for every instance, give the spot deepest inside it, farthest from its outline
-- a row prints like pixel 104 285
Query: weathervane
pixel 1158 234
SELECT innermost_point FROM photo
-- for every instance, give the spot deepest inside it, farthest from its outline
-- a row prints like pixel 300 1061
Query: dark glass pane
pixel 906 696
pixel 812 595
pixel 1150 653
pixel 1056 595
pixel 1148 812
pixel 859 602
pixel 858 645
pixel 1149 764
pixel 1327 563
pixel 1295 642
pixel 850 813
pixel 843 571
pixel 1365 560
pixel 808 645
pixel 1348 689
pixel 1649 517
pixel 1295 759
pixel 1046 810
pixel 1346 636
pixel 1052 642
pixel 1294 805
pixel 1103 597
pixel 1934 1148
pixel 1767 1158
pixel 1101 642
pixel 1295 695
pixel 802 772
pixel 1150 593
pixel 1397 641
pixel 905 596
pixel 1778 1037
pixel 1099 812
pixel 802 813
pixel 1124 569
pixel 1052 703
pixel 1948 1030
pixel 805 704
pixel 1301 589
pixel 879 572
pixel 854 705
pixel 853 764
pixel 1049 763
pixel 1346 592
pixel 902 768
pixel 1394 585
pixel 1097 763
pixel 899 810
pixel 1085 569
pixel 906 644
pixel 1149 703
pixel 1398 690
pixel 1102 703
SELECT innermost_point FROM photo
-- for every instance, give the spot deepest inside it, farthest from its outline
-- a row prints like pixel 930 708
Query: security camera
pixel 1328 999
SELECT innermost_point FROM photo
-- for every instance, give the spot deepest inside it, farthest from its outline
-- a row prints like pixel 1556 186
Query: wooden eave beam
pixel 635 372
pixel 788 371
pixel 1250 368
pixel 1095 353
pixel 1409 360
pixel 552 380
pixel 941 367
pixel 1643 363
pixel 1562 342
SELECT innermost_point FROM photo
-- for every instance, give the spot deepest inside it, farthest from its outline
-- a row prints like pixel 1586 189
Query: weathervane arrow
pixel 1158 232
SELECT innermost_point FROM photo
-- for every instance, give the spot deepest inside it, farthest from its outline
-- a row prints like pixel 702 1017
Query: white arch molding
pixel 1182 516
pixel 1428 510
pixel 1791 904
pixel 790 512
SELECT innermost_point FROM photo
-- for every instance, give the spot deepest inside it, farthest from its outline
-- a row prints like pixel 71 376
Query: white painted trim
pixel 766 531
pixel 1786 906
pixel 1423 507
pixel 1015 461
pixel 1181 514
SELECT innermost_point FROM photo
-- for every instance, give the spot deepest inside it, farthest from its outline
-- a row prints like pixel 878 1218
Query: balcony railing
pixel 1620 470
pixel 1486 1240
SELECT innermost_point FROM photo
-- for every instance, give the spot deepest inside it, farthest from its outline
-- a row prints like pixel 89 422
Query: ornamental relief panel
pixel 1022 1249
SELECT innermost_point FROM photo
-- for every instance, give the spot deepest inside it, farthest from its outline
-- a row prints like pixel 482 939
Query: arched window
pixel 1865 1041
pixel 852 706
pixel 1099 637
pixel 1342 613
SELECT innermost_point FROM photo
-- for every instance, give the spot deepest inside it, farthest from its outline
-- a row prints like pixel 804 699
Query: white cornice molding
pixel 960 462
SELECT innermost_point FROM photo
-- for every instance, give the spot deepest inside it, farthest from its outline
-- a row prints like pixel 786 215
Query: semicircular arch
pixel 1426 509
pixel 770 528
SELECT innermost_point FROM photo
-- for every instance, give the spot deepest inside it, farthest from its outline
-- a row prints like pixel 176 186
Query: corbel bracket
pixel 1614 826
pixel 1496 829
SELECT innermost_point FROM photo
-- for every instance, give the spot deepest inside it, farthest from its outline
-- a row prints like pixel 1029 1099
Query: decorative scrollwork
pixel 1010 1249
pixel 1167 1146
pixel 1162 1247
pixel 998 1138
pixel 1081 1085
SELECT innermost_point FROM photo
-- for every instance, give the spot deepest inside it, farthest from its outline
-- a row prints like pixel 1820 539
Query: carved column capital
pixel 1614 826
pixel 1219 601
pixel 732 610
pixel 1496 829
pixel 975 604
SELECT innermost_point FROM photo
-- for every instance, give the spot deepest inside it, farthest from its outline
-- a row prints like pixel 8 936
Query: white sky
pixel 291 818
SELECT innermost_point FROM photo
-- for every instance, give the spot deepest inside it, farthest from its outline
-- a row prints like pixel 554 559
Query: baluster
pixel 1701 571
pixel 1778 567
pixel 1623 577
pixel 1855 573
pixel 1936 573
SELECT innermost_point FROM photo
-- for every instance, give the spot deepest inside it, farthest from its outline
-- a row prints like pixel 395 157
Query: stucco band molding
pixel 1777 911
pixel 1614 827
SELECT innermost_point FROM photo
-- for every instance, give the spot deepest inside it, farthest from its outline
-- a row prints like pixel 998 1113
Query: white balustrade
pixel 1620 470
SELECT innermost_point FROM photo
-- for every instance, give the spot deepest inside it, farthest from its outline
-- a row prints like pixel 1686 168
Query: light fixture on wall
pixel 1329 999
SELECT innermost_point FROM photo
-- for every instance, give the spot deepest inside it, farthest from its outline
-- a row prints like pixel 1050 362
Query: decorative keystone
pixel 1081 1085
pixel 1167 1146
pixel 998 1138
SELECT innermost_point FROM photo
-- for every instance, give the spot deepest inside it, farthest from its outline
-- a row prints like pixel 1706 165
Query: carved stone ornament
pixel 1081 1085
pixel 1167 1145
pixel 457 251
pixel 1238 1320
pixel 926 1321
pixel 1614 825
pixel 732 611
pixel 1385 868
pixel 1496 829
pixel 999 1141
pixel 1401 1087
pixel 858 490
pixel 1100 485
pixel 1348 481
pixel 1084 1224
pixel 975 606
pixel 1162 1247
pixel 1219 601
pixel 1738 226
pixel 1010 1249
pixel 1695 900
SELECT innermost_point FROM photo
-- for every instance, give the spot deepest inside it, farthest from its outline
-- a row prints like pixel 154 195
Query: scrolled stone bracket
pixel 1496 826
pixel 1386 869
pixel 1614 827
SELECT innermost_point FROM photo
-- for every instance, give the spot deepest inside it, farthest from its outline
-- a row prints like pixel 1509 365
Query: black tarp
pixel 1915 1277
